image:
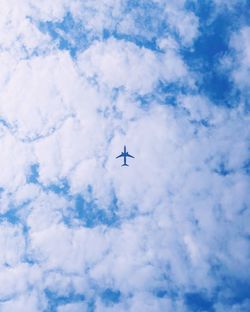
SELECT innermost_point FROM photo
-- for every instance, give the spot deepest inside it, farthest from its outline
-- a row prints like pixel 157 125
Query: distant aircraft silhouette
pixel 125 154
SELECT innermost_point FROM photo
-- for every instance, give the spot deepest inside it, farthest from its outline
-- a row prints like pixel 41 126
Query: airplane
pixel 125 154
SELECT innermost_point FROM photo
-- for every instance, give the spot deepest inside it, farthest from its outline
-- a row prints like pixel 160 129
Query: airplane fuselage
pixel 125 154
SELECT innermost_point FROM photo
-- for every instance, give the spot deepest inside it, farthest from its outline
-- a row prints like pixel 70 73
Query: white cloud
pixel 12 244
pixel 73 307
pixel 186 24
pixel 16 281
pixel 34 94
pixel 14 161
pixel 20 37
pixel 123 64
pixel 240 43
pixel 28 302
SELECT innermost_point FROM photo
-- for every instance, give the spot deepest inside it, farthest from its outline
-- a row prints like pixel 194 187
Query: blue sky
pixel 81 79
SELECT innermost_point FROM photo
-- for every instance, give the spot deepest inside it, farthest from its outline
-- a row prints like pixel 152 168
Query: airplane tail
pixel 124 165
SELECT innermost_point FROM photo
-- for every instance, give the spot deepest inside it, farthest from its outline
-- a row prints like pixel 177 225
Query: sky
pixel 78 81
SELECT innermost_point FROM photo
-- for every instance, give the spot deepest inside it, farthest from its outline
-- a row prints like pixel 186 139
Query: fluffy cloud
pixel 240 43
pixel 121 64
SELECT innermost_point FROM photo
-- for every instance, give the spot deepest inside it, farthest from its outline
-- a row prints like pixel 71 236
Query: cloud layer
pixel 78 81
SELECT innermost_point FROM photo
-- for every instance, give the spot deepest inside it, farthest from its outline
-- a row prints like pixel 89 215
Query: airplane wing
pixel 130 156
pixel 119 156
